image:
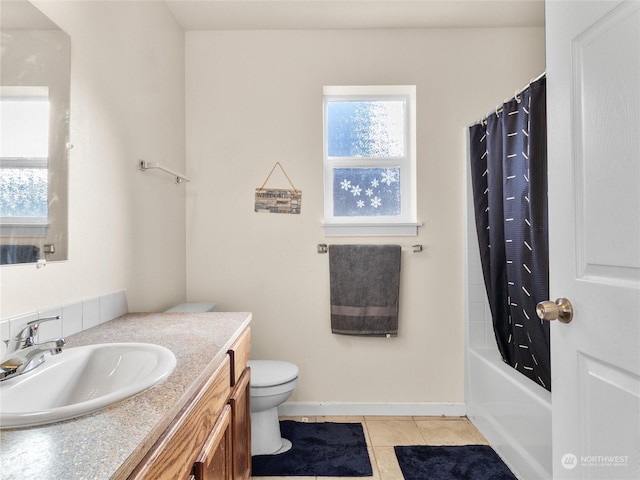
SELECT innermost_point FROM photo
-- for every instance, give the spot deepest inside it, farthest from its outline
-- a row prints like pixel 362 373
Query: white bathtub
pixel 512 412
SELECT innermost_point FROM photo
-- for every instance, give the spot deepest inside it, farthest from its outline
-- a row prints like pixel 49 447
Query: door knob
pixel 561 310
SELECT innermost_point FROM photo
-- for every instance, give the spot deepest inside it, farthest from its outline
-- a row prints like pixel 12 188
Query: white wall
pixel 254 98
pixel 126 227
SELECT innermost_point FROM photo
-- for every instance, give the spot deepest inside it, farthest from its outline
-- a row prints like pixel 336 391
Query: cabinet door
pixel 239 354
pixel 241 427
pixel 214 462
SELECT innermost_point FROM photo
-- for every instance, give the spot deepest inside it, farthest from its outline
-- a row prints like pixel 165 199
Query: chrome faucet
pixel 24 354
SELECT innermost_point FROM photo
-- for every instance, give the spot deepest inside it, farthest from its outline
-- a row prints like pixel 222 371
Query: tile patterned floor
pixel 382 433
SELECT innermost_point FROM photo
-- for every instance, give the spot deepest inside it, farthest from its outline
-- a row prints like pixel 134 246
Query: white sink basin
pixel 82 380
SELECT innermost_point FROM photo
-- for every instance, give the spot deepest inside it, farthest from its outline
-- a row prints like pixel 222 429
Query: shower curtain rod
pixel 499 107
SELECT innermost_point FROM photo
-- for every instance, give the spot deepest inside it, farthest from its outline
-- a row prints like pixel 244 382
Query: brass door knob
pixel 561 310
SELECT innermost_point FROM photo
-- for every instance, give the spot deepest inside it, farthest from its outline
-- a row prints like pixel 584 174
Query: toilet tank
pixel 194 307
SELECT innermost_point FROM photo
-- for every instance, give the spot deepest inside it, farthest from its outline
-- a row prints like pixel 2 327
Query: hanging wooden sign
pixel 278 200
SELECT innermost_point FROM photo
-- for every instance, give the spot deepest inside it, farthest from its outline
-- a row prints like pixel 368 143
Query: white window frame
pixel 406 222
pixel 24 226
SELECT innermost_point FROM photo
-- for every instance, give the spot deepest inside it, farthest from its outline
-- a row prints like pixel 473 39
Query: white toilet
pixel 272 382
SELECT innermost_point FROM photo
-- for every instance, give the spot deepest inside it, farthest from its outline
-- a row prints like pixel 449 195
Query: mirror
pixel 35 76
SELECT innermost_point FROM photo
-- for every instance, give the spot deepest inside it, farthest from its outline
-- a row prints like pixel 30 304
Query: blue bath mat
pixel 319 449
pixel 466 462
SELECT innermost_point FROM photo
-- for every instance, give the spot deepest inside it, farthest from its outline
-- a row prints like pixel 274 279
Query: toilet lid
pixel 268 373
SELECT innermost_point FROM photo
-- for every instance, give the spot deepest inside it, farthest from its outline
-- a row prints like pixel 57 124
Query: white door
pixel 593 75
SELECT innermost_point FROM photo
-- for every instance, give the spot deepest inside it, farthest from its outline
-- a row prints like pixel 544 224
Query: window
pixel 24 152
pixel 369 160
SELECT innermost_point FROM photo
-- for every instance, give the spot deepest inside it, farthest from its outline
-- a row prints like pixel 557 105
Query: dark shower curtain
pixel 508 154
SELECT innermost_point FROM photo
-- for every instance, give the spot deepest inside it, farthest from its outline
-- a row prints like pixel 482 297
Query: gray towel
pixel 10 254
pixel 365 286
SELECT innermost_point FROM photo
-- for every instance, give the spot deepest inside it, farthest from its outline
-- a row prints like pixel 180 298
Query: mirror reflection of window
pixel 24 152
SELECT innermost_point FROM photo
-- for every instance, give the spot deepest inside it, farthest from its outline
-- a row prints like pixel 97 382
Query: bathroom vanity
pixel 193 425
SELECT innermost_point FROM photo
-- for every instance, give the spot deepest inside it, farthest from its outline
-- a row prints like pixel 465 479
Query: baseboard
pixel 315 409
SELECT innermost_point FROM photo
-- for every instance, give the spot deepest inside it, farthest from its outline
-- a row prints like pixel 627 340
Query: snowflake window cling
pixel 380 186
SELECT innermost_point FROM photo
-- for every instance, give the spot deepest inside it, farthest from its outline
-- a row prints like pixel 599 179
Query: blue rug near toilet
pixel 319 449
pixel 466 462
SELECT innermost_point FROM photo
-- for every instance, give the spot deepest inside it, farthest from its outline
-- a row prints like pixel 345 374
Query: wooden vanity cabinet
pixel 210 439
pixel 241 428
pixel 240 407
pixel 227 454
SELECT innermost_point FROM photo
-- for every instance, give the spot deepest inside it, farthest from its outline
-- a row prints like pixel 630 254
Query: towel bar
pixel 143 165
pixel 324 248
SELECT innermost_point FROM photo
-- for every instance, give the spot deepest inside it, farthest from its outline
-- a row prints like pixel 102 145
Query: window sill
pixel 371 229
pixel 19 229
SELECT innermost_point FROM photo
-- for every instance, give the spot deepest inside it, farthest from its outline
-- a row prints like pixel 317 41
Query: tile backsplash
pixel 74 317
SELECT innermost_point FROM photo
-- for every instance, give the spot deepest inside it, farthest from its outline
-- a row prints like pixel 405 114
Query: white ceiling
pixel 354 14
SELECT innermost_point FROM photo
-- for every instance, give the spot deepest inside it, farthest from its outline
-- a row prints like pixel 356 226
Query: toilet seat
pixel 271 373
pixel 283 388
